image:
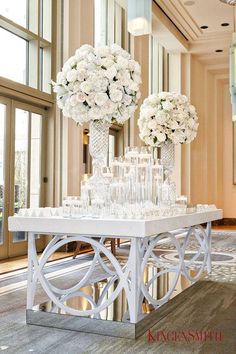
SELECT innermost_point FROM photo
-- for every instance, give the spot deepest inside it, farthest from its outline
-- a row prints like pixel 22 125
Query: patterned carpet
pixel 223 255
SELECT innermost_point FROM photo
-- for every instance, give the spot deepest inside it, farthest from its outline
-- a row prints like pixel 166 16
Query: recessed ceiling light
pixel 189 3
pixel 204 27
pixel 219 50
pixel 225 24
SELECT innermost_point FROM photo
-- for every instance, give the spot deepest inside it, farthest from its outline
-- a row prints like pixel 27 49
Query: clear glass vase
pixel 98 147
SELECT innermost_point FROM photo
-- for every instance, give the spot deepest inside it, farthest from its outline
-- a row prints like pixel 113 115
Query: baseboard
pixel 224 221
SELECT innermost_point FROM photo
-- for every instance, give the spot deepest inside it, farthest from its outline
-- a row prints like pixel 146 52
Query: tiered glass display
pixel 135 186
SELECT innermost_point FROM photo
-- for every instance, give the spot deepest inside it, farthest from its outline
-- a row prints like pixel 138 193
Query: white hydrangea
pixel 99 83
pixel 167 118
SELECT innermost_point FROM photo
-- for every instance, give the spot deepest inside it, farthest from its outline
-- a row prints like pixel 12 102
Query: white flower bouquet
pixel 167 118
pixel 98 84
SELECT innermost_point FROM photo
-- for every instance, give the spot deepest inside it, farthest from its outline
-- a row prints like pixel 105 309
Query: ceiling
pixel 211 13
pixel 190 15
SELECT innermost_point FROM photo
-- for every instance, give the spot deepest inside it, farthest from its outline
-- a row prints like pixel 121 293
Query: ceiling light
pixel 230 2
pixel 204 27
pixel 139 17
pixel 225 24
pixel 189 3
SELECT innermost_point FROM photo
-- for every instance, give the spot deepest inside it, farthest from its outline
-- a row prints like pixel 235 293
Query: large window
pixel 22 138
pixel 111 27
pixel 2 155
pixel 111 23
pixel 26 36
pixel 157 57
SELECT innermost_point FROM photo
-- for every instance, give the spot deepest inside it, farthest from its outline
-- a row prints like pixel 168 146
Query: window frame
pixel 35 42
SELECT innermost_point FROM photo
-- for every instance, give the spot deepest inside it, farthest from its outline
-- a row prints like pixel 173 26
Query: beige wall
pixel 229 190
pixel 210 160
pixel 79 23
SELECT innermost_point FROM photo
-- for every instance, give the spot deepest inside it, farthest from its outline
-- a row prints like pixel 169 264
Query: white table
pixel 144 236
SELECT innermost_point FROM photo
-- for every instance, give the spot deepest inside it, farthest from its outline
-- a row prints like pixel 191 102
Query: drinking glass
pixel 97 207
pixel 77 208
pixel 66 205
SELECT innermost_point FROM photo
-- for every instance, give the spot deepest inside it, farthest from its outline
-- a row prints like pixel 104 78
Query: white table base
pixel 129 278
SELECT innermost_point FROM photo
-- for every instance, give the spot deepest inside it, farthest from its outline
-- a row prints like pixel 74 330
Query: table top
pixel 110 227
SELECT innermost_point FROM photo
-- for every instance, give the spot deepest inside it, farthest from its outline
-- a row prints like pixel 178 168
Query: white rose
pixel 73 100
pixel 168 106
pixel 85 48
pixel 137 78
pixel 161 137
pixel 152 124
pixel 100 84
pixel 81 65
pixel 127 100
pixel 66 68
pixel 70 86
pixel 85 86
pixel 137 68
pixel 100 98
pixel 96 113
pixel 116 49
pixel 90 99
pixel 174 125
pixel 116 95
pixel 76 86
pixel 81 97
pixel 110 73
pixel 60 90
pixel 82 74
pixel 163 95
pixel 107 62
pixel 102 51
pixel 134 86
pixel 150 141
pixel 71 75
pixel 122 63
pixel 61 79
pixel 192 109
pixel 162 117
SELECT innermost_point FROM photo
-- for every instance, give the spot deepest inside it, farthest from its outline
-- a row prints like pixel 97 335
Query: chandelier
pixel 230 2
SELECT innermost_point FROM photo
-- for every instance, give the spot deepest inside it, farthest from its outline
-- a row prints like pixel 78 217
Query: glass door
pixel 4 104
pixel 23 168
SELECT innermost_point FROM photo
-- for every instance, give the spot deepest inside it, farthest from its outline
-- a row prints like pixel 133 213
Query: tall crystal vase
pixel 98 147
pixel 168 161
pixel 168 158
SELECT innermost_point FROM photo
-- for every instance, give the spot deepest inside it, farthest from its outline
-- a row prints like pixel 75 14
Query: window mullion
pixel 29 161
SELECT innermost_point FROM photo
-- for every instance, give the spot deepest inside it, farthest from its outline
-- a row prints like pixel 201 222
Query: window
pixel 27 26
pixel 13 66
pixel 27 167
pixel 100 28
pixel 2 153
pixel 157 54
pixel 111 23
pixel 15 11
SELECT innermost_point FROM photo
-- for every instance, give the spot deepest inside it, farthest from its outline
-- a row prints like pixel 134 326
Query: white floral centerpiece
pixel 167 118
pixel 98 84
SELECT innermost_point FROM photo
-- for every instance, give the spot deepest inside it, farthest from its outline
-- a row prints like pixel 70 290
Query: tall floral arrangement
pixel 98 84
pixel 167 118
